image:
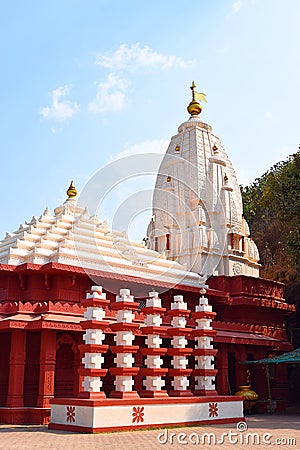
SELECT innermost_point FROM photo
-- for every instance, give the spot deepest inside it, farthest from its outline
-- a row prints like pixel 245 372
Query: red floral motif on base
pixel 70 413
pixel 138 414
pixel 213 410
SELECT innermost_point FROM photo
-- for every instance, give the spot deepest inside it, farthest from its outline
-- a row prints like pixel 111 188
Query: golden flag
pixel 200 96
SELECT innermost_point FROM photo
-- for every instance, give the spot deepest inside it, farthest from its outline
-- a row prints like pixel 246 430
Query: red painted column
pixel 204 352
pixel 47 368
pixel 153 352
pixel 78 366
pixel 124 328
pixel 179 351
pixel 241 370
pixel 222 366
pixel 16 369
pixel 93 348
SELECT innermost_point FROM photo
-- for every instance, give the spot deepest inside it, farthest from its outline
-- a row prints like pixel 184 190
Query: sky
pixel 83 83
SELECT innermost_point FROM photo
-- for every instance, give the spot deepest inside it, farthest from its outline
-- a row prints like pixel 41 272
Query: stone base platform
pixel 94 416
pixel 25 416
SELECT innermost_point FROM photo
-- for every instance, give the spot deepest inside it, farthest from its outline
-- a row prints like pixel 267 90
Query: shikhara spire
pixel 197 205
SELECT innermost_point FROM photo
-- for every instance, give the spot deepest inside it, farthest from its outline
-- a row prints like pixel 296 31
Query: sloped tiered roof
pixel 72 236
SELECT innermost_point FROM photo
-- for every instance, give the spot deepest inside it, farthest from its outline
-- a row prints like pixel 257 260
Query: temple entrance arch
pixel 66 367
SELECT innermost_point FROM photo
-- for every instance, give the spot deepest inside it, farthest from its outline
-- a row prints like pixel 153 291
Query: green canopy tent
pixel 292 357
pixel 289 357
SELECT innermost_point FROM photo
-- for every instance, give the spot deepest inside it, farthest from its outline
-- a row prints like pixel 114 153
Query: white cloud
pixel 135 56
pixel 60 110
pixel 236 6
pixel 268 115
pixel 110 96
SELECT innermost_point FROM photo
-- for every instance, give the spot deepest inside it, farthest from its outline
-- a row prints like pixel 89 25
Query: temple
pixel 90 321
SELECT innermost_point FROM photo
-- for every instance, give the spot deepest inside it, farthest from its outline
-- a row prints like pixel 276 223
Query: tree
pixel 272 209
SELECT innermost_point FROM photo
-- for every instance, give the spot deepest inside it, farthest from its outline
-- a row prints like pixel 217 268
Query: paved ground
pixel 270 431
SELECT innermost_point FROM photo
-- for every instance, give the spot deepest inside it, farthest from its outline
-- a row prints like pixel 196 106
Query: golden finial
pixel 169 179
pixel 195 107
pixel 71 192
pixel 177 148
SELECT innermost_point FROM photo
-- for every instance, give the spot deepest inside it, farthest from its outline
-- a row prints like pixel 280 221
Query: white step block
pixel 94 337
pixel 93 360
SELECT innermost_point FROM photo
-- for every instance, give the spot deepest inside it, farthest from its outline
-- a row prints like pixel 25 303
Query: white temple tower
pixel 197 205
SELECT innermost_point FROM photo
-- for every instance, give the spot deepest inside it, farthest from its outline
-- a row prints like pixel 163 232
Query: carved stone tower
pixel 197 205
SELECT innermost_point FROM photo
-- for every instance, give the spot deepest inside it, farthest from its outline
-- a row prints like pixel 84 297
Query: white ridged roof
pixel 71 236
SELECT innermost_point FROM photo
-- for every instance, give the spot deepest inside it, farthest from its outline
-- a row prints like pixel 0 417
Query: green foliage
pixel 272 209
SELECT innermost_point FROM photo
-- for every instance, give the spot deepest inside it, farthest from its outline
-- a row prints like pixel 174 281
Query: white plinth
pixel 115 414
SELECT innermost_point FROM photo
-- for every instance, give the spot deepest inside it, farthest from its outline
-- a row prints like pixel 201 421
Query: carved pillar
pixel 77 368
pixel 222 364
pixel 16 369
pixel 241 369
pixel 93 348
pixel 179 352
pixel 124 349
pixel 47 368
pixel 204 352
pixel 153 328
